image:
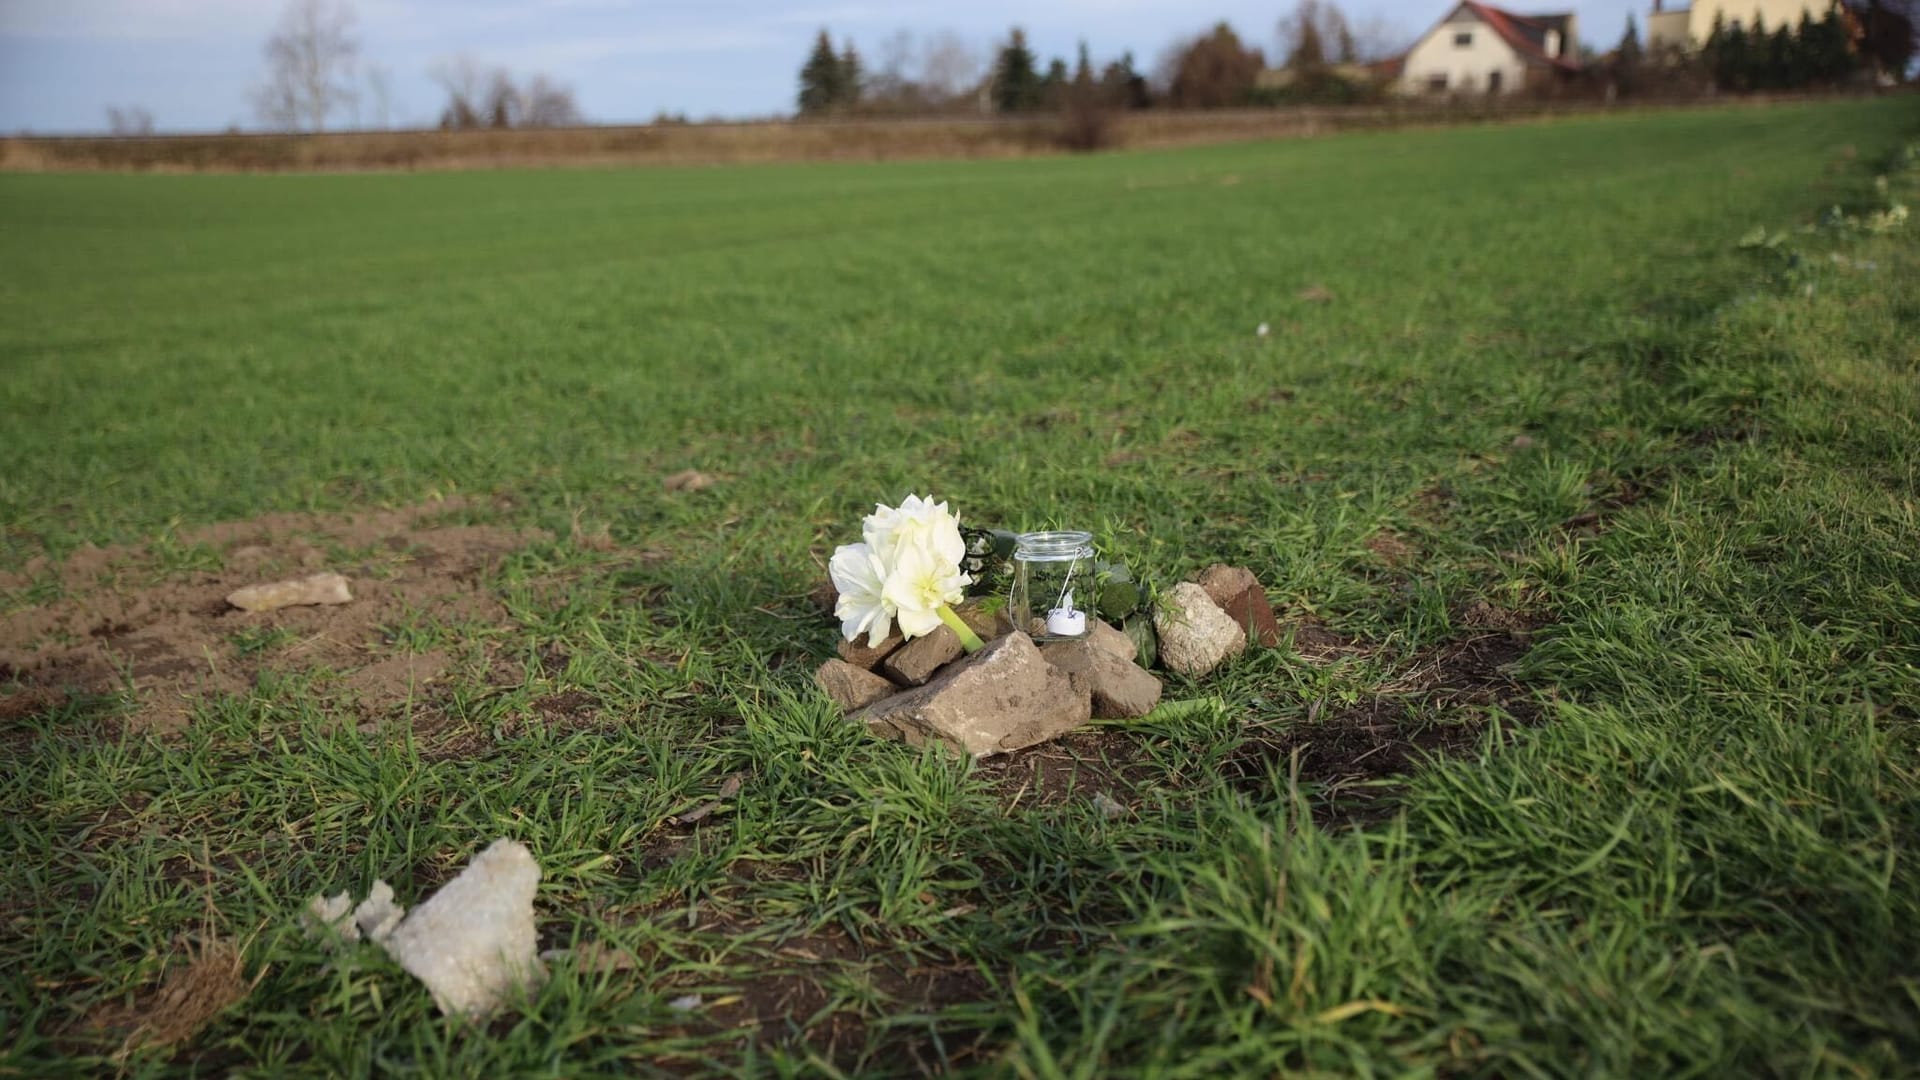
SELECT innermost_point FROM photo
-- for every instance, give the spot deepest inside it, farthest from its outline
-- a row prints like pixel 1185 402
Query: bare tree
pixel 479 96
pixel 890 82
pixel 310 65
pixel 465 82
pixel 1377 38
pixel 949 67
pixel 545 103
pixel 130 121
pixel 503 106
pixel 380 90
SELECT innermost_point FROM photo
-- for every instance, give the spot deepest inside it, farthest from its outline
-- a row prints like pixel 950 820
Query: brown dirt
pixel 212 979
pixel 790 996
pixel 1441 704
pixel 1078 765
pixel 1393 549
pixel 123 622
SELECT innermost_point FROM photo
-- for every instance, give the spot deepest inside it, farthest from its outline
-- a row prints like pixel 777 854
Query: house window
pixel 1463 39
pixel 1494 80
pixel 1437 83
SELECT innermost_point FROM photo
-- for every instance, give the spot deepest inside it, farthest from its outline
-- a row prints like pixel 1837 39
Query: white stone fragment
pixel 331 914
pixel 473 942
pixel 327 588
pixel 377 915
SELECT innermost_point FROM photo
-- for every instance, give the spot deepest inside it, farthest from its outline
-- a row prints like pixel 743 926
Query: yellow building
pixel 1686 29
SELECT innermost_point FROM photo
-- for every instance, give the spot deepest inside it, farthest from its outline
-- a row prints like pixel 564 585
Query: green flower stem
pixel 968 639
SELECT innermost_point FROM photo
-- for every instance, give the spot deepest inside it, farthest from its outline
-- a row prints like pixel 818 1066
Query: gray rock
pixel 1119 689
pixel 1004 697
pixel 473 942
pixel 1107 806
pixel 1195 635
pixel 851 687
pixel 1105 636
pixel 861 655
pixel 323 588
pixel 915 662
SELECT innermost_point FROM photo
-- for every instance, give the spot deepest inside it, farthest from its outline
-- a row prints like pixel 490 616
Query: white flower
pixel 922 582
pixel 907 569
pixel 917 523
pixel 1261 330
pixel 861 578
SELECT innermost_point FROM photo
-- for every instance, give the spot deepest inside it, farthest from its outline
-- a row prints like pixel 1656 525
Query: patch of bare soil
pixel 211 980
pixel 1078 765
pixel 1392 548
pixel 790 999
pixel 121 620
pixel 1355 755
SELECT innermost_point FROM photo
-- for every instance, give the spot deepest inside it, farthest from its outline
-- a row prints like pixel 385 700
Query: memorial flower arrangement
pixel 907 569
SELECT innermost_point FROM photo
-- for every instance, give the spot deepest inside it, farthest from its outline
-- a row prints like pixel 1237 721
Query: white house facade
pixel 1481 49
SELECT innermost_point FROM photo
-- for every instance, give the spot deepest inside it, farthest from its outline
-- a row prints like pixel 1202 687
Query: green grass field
pixel 1549 385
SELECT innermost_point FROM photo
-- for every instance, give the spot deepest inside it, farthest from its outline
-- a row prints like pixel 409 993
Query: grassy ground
pixel 1552 410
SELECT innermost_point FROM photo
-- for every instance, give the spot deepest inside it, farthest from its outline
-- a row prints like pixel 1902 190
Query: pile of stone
pixel 1016 692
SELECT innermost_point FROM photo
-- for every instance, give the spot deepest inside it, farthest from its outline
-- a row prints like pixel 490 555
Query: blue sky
pixel 191 62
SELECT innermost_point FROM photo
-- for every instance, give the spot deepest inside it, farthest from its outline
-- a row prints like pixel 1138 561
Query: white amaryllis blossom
pixel 921 585
pixel 917 522
pixel 860 577
pixel 907 569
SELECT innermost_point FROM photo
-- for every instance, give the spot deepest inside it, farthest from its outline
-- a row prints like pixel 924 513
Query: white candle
pixel 1066 622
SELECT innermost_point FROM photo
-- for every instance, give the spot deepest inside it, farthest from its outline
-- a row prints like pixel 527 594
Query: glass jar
pixel 1054 592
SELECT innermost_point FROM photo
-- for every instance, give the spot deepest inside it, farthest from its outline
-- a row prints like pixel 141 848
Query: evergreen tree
pixel 852 78
pixel 1781 69
pixel 1016 83
pixel 1829 49
pixel 1349 52
pixel 1309 52
pixel 1755 68
pixel 1121 85
pixel 1628 60
pixel 820 87
pixel 1731 60
pixel 1083 69
pixel 1053 85
pixel 1713 49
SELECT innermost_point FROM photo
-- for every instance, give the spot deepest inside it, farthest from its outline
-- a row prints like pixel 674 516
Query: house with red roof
pixel 1482 49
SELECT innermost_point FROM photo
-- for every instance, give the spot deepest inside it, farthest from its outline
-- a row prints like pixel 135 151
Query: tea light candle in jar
pixel 1065 621
pixel 1049 570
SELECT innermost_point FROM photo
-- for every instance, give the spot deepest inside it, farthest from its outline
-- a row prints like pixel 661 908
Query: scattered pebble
pixel 687 1003
pixel 1108 808
pixel 689 480
pixel 1261 330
